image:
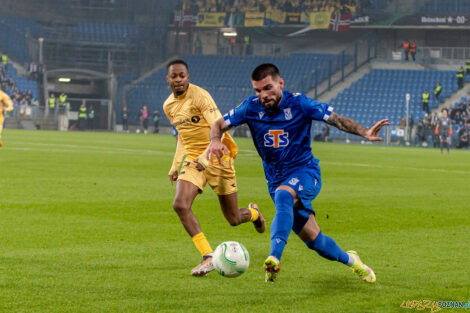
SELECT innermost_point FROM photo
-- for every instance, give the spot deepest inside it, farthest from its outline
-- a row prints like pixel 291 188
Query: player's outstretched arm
pixel 348 125
pixel 216 146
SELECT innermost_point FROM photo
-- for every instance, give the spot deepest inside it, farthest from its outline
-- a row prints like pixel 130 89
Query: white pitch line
pixel 94 149
pixel 438 170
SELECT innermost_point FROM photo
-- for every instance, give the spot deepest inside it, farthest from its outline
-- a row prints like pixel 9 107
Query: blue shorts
pixel 306 182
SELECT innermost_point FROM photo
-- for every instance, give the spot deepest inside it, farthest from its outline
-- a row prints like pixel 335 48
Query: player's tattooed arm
pixel 348 125
pixel 216 146
pixel 218 129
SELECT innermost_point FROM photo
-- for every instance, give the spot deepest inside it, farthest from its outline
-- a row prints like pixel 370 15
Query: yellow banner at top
pixel 210 20
pixel 320 20
pixel 254 19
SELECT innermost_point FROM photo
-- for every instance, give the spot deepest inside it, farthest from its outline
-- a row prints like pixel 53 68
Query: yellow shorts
pixel 221 178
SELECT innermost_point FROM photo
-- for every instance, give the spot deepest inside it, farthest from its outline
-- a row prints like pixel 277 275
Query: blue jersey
pixel 282 137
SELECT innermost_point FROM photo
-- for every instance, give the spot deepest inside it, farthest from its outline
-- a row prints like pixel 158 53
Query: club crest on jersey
pixel 288 114
pixel 276 138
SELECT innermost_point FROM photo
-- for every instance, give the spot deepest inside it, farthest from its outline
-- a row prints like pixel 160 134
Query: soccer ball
pixel 231 259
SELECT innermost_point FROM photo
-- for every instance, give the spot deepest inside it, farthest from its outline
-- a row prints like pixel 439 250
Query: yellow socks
pixel 202 244
pixel 254 214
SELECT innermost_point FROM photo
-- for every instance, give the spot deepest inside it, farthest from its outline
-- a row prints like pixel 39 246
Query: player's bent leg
pixel 324 245
pixel 236 216
pixel 186 192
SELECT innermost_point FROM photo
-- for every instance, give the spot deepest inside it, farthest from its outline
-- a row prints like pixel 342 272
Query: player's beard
pixel 273 104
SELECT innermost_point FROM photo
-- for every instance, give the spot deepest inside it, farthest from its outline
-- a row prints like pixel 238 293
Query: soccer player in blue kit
pixel 280 124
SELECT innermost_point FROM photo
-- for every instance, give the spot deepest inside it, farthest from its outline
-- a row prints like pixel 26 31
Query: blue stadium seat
pixel 381 94
pixel 228 79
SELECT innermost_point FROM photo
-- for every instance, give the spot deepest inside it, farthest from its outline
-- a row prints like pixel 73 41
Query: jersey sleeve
pixel 209 109
pixel 178 157
pixel 237 116
pixel 165 109
pixel 315 110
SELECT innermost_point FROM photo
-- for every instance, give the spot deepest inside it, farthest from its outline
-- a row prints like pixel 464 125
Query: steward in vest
pixel 63 100
pixel 425 98
pixel 437 91
pixel 460 76
pixel 52 101
pixel 82 116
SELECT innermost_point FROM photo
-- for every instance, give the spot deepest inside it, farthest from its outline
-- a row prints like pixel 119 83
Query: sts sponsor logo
pixel 276 138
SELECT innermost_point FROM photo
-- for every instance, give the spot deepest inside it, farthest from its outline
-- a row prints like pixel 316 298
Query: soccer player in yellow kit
pixel 192 111
pixel 5 105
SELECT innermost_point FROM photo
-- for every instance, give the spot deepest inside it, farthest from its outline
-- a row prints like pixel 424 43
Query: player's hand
pixel 198 165
pixel 372 132
pixel 173 177
pixel 218 148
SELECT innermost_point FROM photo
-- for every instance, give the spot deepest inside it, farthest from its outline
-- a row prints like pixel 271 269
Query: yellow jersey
pixel 192 114
pixel 5 103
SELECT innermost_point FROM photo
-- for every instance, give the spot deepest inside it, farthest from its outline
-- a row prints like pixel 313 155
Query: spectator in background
pixel 456 110
pixel 29 96
pixel 420 137
pixel 156 121
pixel 33 71
pixel 437 92
pixel 413 50
pixel 402 123
pixel 462 135
pixel 444 131
pixel 144 118
pixel 125 118
pixel 460 77
pixel 406 49
pixel 91 117
pixel 425 99
pixel 411 122
pixel 323 136
pixel 197 46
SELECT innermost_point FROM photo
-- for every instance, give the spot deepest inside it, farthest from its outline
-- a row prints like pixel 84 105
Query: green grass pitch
pixel 86 225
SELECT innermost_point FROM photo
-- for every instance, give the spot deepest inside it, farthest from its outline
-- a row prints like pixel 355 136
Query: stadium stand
pixel 381 93
pixel 19 84
pixel 81 31
pixel 13 32
pixel 446 6
pixel 228 80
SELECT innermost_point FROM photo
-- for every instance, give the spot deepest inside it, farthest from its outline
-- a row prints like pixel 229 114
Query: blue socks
pixel 326 247
pixel 282 223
